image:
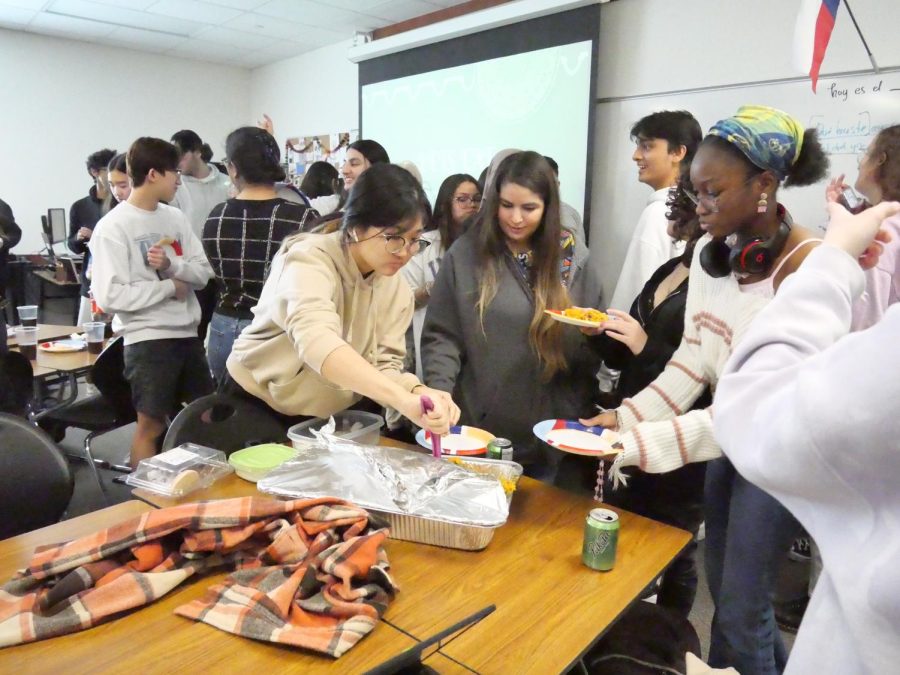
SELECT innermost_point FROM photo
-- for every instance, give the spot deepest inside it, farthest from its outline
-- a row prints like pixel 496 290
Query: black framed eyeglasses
pixel 462 200
pixel 395 243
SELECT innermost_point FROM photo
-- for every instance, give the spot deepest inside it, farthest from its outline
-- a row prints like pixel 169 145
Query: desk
pixel 550 607
pixel 46 333
pixel 154 640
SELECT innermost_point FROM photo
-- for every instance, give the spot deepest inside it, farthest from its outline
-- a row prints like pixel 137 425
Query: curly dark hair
pixel 683 214
pixel 887 175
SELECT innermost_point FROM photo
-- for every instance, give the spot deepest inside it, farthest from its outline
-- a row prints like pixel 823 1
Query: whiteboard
pixel 848 111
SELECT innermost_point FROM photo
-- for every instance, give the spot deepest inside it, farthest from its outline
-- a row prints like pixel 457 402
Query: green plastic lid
pixel 261 457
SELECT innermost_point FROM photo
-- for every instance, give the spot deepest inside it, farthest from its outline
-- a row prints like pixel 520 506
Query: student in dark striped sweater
pixel 242 235
pixel 749 248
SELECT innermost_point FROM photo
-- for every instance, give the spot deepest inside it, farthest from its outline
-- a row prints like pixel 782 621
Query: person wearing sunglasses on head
pixel 329 328
pixel 458 198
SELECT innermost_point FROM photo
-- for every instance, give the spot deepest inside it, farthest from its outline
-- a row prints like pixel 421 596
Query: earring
pixel 354 236
pixel 763 204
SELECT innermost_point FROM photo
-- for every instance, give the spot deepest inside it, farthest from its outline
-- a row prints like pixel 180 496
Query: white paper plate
pixel 462 440
pixel 577 439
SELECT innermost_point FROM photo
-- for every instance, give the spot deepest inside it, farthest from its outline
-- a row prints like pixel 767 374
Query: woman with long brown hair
pixel 486 336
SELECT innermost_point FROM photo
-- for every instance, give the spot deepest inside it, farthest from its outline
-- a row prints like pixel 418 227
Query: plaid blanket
pixel 310 573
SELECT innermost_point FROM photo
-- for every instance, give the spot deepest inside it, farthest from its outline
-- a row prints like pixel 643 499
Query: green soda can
pixel 601 536
pixel 500 448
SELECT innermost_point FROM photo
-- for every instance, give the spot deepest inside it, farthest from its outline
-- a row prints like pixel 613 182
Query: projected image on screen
pixel 454 120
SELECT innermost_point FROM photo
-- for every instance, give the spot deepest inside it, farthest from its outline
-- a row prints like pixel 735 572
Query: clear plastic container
pixel 180 471
pixel 353 425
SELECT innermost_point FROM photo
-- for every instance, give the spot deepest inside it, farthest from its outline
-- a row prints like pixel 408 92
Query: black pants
pixel 231 388
pixel 674 498
pixel 206 296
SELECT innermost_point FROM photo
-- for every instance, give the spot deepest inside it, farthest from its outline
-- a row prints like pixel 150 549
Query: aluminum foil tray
pixel 425 500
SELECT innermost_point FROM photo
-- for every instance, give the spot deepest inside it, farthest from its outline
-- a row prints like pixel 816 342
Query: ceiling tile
pixel 192 10
pixel 267 26
pixel 403 10
pixel 77 29
pixel 315 14
pixel 26 4
pixel 238 39
pixel 15 17
pixel 246 5
pixel 122 16
pixel 135 38
pixel 139 5
pixel 364 6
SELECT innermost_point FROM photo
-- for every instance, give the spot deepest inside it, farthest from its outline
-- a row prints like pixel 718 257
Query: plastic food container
pixel 352 425
pixel 180 471
pixel 255 462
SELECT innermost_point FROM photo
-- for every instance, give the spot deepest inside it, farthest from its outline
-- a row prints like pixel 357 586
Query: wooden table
pixel 550 607
pixel 154 640
pixel 46 333
pixel 71 363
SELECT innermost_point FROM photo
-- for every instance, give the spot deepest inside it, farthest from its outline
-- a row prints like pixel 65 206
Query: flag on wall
pixel 815 21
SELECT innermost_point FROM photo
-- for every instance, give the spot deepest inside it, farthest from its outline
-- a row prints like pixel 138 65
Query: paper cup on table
pixel 28 315
pixel 93 331
pixel 26 339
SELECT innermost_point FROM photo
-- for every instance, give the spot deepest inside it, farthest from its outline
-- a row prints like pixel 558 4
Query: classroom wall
pixel 647 48
pixel 314 93
pixel 64 99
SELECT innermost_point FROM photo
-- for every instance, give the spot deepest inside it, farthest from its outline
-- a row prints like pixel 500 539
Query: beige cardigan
pixel 314 301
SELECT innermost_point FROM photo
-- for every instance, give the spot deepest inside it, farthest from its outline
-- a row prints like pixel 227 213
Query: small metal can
pixel 500 448
pixel 601 536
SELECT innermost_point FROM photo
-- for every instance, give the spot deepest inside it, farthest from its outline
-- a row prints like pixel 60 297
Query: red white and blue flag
pixel 815 21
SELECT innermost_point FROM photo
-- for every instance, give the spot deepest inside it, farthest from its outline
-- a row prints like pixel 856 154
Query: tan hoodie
pixel 314 301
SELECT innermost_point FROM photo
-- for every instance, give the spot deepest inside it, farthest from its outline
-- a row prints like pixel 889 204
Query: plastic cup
pixel 94 331
pixel 28 315
pixel 26 339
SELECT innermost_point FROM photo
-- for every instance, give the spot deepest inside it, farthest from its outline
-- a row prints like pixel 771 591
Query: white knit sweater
pixel 657 434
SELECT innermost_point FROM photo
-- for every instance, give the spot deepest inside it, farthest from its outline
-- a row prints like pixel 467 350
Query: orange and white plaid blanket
pixel 310 573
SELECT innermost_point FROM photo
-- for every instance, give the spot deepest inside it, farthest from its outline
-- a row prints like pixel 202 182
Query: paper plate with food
pixel 573 437
pixel 63 346
pixel 578 316
pixel 462 440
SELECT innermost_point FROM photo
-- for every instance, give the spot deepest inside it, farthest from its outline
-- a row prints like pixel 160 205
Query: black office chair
pixel 35 481
pixel 111 409
pixel 16 384
pixel 224 423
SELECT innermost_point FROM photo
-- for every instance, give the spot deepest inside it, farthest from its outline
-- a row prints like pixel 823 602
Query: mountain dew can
pixel 601 536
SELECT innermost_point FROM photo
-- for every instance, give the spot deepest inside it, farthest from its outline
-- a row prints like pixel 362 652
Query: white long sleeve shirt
pixel 810 414
pixel 196 197
pixel 122 282
pixel 649 248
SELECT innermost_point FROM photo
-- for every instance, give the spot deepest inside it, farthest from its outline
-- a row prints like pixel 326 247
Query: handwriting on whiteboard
pixel 844 131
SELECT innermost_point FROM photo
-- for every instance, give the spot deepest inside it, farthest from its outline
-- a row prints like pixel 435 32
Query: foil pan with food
pixel 392 480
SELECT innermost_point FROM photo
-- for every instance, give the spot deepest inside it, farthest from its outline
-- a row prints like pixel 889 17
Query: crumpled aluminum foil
pixel 391 480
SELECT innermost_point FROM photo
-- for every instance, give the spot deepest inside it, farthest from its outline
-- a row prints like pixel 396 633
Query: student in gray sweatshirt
pixel 147 264
pixel 486 337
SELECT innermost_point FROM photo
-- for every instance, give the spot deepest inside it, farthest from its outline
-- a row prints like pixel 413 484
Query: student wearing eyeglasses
pixel 486 336
pixel 329 328
pixel 458 198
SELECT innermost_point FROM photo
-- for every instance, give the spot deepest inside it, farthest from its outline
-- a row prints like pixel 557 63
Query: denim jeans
pixel 748 533
pixel 223 330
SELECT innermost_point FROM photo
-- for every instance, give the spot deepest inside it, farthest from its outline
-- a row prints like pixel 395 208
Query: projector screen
pixel 451 106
